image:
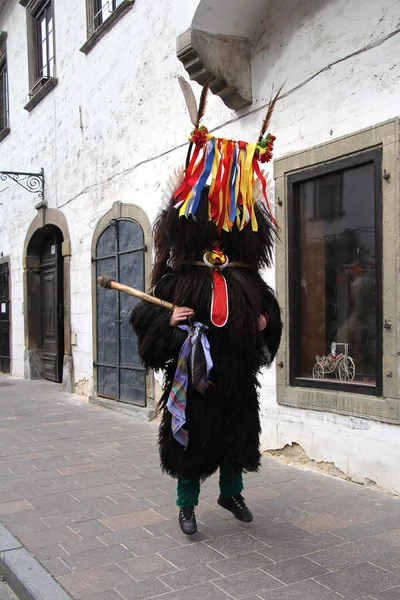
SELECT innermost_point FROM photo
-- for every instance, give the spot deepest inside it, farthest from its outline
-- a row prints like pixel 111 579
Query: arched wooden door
pixel 119 254
pixel 5 317
pixel 52 305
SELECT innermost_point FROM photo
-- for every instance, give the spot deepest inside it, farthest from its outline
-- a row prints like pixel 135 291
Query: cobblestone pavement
pixel 80 486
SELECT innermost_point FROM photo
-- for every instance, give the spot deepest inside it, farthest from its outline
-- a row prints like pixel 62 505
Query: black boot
pixel 187 520
pixel 237 506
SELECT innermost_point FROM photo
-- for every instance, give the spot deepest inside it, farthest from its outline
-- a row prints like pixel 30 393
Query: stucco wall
pixel 355 93
pixel 115 126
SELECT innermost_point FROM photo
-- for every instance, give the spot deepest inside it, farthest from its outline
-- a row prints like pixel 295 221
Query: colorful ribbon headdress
pixel 233 167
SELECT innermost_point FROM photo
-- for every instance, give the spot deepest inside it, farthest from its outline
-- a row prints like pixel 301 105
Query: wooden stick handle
pixel 106 282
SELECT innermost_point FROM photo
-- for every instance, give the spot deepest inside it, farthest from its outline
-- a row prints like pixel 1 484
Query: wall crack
pixel 294 454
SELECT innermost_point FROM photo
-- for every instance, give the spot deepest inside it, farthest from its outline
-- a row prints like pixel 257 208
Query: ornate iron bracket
pixel 31 182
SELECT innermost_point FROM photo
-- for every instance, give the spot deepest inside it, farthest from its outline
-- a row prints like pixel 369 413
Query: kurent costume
pixel 210 243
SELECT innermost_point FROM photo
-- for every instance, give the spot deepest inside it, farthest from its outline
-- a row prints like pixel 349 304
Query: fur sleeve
pixel 271 335
pixel 158 341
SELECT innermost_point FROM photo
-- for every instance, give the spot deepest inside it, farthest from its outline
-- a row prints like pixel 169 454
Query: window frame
pixel 40 67
pixel 3 59
pixel 386 406
pixel 95 34
pixel 39 87
pixel 336 166
pixel 101 6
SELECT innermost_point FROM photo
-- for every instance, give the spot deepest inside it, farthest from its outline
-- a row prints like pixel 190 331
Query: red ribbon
pixel 214 200
pixel 190 181
pixel 261 177
pixel 189 175
pixel 219 302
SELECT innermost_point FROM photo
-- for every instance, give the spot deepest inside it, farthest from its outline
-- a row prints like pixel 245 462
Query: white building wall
pixel 115 126
pixel 353 94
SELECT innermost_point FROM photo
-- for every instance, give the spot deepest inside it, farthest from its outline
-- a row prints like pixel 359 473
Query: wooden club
pixel 107 282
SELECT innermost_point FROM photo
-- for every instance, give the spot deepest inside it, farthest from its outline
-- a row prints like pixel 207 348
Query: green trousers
pixel 230 484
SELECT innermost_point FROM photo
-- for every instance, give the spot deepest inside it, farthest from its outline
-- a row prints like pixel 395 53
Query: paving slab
pixel 6 592
pixel 28 578
pixel 87 511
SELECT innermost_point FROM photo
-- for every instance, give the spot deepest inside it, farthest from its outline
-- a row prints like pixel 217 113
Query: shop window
pixel 335 274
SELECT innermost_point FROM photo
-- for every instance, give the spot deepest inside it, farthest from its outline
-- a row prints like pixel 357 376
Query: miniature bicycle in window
pixel 341 364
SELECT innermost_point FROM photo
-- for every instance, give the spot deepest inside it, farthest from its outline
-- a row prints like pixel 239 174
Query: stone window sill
pixel 4 133
pixel 384 410
pixel 108 24
pixel 41 93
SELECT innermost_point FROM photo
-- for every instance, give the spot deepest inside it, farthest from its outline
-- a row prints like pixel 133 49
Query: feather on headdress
pixel 232 166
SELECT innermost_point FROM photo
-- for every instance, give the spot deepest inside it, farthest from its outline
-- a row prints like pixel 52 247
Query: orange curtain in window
pixel 312 299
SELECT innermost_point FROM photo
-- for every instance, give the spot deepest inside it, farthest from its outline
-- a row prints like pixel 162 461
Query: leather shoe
pixel 187 520
pixel 237 506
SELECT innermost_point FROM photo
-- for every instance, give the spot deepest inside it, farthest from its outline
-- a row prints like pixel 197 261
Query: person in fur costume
pixel 211 242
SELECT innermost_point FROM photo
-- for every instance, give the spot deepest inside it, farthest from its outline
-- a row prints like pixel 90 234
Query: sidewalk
pixel 5 592
pixel 81 488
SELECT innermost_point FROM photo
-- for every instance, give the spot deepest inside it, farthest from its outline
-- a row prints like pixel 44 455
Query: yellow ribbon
pixel 214 168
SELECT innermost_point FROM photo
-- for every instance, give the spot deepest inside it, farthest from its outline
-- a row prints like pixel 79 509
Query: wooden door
pixel 120 373
pixel 4 318
pixel 51 276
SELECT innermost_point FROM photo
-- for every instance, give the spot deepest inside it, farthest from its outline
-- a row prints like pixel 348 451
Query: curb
pixel 27 578
pixel 138 412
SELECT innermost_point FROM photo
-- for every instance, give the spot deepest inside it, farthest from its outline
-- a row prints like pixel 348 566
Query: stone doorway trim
pixel 121 210
pixel 48 216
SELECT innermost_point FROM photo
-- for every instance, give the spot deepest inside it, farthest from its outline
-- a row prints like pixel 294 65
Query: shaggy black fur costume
pixel 223 424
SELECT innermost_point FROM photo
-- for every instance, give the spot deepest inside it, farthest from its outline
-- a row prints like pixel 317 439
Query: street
pixel 81 488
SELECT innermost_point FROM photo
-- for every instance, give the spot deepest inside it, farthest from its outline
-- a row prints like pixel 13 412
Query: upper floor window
pixel 41 44
pixel 4 114
pixel 102 9
pixel 45 43
pixel 41 49
pixel 101 17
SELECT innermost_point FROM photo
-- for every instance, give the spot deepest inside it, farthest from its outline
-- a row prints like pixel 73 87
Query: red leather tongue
pixel 219 302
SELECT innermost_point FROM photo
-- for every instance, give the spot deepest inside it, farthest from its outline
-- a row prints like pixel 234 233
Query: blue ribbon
pixel 232 185
pixel 204 176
